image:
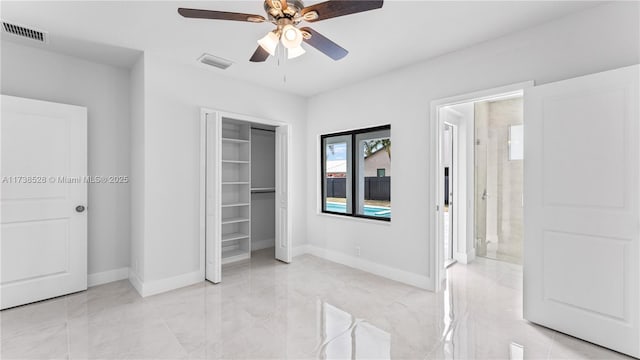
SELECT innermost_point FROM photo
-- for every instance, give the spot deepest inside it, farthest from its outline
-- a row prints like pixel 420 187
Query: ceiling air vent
pixel 215 61
pixel 24 32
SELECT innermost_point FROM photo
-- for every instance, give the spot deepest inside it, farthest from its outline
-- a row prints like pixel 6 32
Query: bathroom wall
pixel 500 235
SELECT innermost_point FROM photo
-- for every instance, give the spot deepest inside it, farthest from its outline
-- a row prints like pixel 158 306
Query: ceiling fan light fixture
pixel 291 37
pixel 269 43
pixel 295 52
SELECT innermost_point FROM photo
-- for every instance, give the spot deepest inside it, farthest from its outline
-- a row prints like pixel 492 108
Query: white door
pixel 44 197
pixel 213 203
pixel 283 227
pixel 581 245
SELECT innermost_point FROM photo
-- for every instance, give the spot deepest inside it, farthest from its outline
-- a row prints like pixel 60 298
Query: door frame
pixel 219 114
pixel 453 186
pixel 436 256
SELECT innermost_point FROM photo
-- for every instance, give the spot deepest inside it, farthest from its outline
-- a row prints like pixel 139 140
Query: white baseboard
pixel 465 258
pixel 135 281
pixel 262 244
pixel 388 272
pixel 148 288
pixel 299 250
pixel 105 277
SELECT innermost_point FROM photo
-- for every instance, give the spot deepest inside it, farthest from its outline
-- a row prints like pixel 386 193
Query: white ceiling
pixel 399 34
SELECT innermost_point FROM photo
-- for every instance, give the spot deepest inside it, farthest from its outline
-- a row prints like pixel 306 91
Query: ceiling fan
pixel 287 16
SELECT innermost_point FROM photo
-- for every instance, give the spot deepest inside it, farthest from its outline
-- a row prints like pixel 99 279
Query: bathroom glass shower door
pixel 498 179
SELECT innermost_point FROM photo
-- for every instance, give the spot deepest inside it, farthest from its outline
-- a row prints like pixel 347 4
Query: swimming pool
pixel 377 211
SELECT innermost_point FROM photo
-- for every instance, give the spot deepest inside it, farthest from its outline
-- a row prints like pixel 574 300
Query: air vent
pixel 24 32
pixel 215 61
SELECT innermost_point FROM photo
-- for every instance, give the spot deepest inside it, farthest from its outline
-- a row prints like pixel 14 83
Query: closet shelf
pixel 263 190
pixel 235 204
pixel 235 161
pixel 234 255
pixel 238 141
pixel 235 220
pixel 234 236
pixel 235 183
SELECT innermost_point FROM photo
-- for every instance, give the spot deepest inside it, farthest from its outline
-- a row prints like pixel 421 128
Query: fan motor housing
pixel 292 10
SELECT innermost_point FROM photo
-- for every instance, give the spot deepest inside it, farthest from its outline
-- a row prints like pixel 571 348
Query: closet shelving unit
pixel 236 191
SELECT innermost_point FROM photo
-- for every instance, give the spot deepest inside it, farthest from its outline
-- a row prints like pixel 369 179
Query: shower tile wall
pixel 498 182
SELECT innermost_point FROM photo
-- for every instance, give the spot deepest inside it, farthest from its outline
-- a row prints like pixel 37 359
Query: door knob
pixel 79 208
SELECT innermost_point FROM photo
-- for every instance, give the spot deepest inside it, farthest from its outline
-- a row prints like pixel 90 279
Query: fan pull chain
pixel 281 57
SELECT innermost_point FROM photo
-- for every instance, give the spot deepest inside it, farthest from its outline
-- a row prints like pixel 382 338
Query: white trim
pixel 355 218
pixel 108 276
pixel 465 258
pixel 262 244
pixel 300 250
pixel 202 189
pixel 436 258
pixel 163 285
pixel 388 272
pixel 135 281
pixel 461 212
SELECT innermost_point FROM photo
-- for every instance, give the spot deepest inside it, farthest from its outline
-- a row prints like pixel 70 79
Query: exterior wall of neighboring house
pixel 336 168
pixel 378 160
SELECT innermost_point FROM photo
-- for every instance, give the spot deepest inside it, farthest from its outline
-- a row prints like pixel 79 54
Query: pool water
pixel 377 211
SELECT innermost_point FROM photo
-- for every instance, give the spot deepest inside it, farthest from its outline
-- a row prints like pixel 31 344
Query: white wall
pixel 137 173
pixel 174 95
pixel 598 39
pixel 39 74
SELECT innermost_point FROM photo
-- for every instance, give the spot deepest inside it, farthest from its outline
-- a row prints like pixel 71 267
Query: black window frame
pixel 354 154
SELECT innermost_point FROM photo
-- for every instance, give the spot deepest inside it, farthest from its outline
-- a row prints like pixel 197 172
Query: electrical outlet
pixel 357 250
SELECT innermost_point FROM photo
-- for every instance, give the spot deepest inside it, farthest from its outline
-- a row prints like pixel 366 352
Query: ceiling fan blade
pixel 335 8
pixel 259 55
pixel 324 45
pixel 219 15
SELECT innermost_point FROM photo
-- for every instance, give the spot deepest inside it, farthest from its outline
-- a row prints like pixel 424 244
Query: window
pixel 516 148
pixel 356 173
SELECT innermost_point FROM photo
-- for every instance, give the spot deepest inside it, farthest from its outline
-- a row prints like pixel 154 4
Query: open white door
pixel 582 224
pixel 283 227
pixel 213 241
pixel 44 197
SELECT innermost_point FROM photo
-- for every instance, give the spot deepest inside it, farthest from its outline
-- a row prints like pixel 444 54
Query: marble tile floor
pixel 311 308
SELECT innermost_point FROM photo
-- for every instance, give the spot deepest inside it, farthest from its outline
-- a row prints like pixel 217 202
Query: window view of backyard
pixel 336 177
pixel 371 174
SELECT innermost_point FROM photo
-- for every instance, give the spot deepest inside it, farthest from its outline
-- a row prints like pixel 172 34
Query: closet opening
pixel 263 188
pixel 245 177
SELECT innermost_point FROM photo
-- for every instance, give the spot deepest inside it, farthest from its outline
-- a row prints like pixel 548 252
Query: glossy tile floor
pixel 311 308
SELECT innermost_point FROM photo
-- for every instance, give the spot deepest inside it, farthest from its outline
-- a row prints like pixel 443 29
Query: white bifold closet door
pixel 283 227
pixel 582 192
pixel 213 138
pixel 44 196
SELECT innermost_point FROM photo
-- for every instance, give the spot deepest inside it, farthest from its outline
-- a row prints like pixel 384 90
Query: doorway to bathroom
pixel 498 177
pixel 478 189
pixel 482 163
